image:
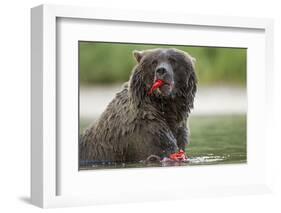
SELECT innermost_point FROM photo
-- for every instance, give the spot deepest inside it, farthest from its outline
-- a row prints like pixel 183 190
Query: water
pixel 216 139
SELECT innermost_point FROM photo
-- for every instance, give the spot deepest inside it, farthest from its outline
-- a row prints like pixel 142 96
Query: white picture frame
pixel 48 167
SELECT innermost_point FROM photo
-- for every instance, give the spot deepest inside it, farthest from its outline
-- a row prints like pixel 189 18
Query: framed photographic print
pixel 127 105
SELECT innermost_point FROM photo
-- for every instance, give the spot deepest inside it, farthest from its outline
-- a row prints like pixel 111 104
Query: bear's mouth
pixel 166 89
pixel 162 87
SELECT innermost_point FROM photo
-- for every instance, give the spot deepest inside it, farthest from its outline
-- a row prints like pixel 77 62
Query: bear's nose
pixel 161 70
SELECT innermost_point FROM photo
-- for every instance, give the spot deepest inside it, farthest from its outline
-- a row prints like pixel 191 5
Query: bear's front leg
pixel 151 138
pixel 168 142
pixel 182 138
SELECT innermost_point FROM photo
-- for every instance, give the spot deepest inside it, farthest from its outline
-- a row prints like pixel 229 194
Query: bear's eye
pixel 154 62
pixel 172 61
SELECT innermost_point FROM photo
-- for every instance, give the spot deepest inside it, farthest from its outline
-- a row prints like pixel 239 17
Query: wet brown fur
pixel 135 125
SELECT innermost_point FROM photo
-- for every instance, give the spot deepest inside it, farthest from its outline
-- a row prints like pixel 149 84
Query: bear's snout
pixel 164 72
pixel 161 71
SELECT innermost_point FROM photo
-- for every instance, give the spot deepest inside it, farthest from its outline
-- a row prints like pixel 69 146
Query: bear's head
pixel 175 68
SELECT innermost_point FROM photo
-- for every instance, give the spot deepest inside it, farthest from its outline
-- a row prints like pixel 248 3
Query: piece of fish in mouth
pixel 157 84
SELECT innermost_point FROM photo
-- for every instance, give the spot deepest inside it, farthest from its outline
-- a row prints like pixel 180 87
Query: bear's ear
pixel 193 61
pixel 138 55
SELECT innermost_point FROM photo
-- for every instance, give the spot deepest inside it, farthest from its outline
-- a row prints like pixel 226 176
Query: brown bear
pixel 136 125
